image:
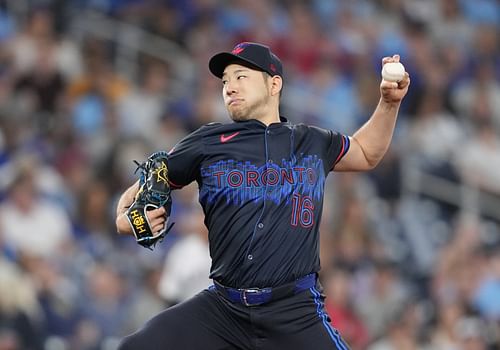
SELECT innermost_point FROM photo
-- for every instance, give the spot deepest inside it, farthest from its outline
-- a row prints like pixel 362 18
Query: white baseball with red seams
pixel 393 71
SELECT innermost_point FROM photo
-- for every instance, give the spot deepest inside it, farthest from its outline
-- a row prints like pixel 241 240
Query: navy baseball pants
pixel 210 321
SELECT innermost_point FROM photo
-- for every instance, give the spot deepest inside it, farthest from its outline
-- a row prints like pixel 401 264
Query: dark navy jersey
pixel 261 188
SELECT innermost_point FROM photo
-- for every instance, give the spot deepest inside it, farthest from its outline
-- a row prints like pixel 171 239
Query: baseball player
pixel 261 185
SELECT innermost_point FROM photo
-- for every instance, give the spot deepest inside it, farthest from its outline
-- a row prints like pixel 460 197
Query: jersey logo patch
pixel 224 138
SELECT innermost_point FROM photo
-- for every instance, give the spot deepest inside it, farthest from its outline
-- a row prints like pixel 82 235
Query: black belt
pixel 259 296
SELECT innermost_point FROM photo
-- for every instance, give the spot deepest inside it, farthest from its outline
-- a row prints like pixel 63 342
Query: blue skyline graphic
pixel 240 182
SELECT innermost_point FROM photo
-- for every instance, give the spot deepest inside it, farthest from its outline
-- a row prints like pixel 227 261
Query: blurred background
pixel 410 251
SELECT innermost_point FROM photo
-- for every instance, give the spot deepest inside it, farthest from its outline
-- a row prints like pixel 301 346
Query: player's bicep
pixel 354 159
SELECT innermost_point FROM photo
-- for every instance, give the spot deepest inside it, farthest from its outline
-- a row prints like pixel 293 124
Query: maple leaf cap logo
pixel 237 50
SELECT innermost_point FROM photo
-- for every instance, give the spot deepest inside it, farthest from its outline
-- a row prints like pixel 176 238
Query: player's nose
pixel 230 88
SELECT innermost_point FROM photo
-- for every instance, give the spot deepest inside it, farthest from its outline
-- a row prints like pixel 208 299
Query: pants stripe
pixel 339 343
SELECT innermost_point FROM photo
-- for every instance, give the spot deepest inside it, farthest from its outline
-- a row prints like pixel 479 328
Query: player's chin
pixel 238 115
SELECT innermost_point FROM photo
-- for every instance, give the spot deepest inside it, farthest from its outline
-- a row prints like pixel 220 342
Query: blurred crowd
pixel 402 269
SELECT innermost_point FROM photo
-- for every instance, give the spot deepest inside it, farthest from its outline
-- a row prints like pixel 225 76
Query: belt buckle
pixel 249 291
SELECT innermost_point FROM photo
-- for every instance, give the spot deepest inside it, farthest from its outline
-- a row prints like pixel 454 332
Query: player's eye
pixel 241 76
pixel 224 82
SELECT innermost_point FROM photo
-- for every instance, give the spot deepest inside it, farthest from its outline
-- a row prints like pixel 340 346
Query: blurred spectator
pixel 93 94
pixel 352 236
pixel 7 24
pixel 105 308
pixel 485 298
pixel 166 22
pixel 478 97
pixel 434 135
pixel 140 109
pixel 403 330
pixel 146 302
pixel 444 336
pixel 451 27
pixel 483 11
pixel 325 98
pixel 339 305
pixel 95 227
pixel 37 32
pixel 20 322
pixel 37 29
pixel 386 295
pixel 30 224
pixel 208 106
pixel 478 158
pixel 470 332
pixel 116 168
pixel 169 130
pixel 182 278
pixel 458 267
pixel 57 294
pixel 266 20
pixel 45 84
pixel 302 42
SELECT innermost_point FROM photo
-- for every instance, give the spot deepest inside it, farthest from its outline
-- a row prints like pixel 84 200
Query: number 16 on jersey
pixel 302 211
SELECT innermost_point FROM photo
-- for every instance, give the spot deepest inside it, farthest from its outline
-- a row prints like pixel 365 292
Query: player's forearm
pixel 126 199
pixel 375 136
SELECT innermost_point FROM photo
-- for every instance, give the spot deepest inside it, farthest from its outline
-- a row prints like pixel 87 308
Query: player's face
pixel 246 92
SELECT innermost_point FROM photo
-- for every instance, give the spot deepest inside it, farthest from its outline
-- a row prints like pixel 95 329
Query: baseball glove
pixel 154 192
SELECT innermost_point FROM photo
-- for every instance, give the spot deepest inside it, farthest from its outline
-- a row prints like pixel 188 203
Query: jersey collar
pixel 254 123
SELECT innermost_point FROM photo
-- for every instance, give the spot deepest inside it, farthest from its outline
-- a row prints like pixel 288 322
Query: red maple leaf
pixel 237 50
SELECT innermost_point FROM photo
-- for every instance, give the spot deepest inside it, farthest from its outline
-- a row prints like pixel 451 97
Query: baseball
pixel 393 71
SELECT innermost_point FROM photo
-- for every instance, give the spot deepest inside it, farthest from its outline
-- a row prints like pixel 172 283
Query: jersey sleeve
pixel 184 160
pixel 338 146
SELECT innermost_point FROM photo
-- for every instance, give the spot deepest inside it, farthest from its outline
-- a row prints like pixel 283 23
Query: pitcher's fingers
pixel 386 59
pixel 387 85
pixel 160 211
pixel 157 228
pixel 157 221
pixel 393 58
pixel 155 213
pixel 405 81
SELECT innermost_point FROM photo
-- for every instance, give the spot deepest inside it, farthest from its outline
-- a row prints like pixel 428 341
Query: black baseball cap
pixel 255 55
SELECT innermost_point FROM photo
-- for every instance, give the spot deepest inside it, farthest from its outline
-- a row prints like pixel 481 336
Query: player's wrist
pixel 122 224
pixel 387 105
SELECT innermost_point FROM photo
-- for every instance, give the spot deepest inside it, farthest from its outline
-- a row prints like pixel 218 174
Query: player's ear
pixel 276 85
